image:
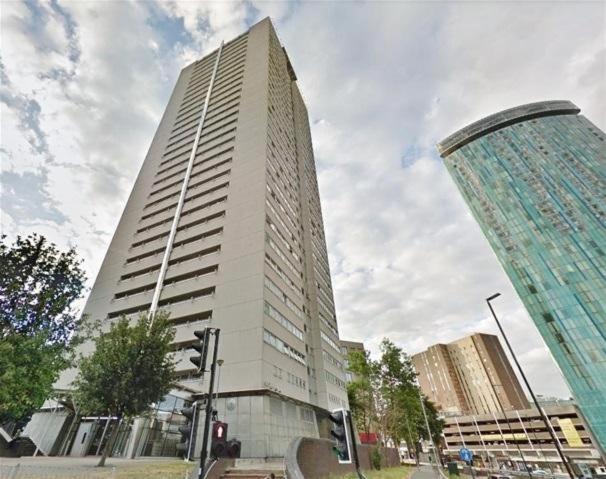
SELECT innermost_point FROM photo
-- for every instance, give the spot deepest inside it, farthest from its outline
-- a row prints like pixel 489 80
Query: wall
pixel 308 457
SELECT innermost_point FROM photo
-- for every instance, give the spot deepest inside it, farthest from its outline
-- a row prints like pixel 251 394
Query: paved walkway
pixel 426 472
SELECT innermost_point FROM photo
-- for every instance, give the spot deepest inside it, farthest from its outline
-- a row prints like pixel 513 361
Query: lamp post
pixel 432 442
pixel 534 398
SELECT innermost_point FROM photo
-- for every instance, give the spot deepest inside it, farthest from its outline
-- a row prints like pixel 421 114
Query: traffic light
pixel 233 448
pixel 186 446
pixel 202 348
pixel 218 444
pixel 340 431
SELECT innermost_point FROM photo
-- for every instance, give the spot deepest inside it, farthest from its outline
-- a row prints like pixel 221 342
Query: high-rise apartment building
pixel 534 177
pixel 469 376
pixel 224 228
pixel 350 347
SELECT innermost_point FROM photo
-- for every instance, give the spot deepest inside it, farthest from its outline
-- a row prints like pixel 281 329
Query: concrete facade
pixel 346 348
pixel 248 254
pixel 494 438
pixel 470 375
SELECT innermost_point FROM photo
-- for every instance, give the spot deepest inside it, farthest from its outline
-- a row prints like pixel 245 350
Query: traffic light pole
pixel 192 437
pixel 209 407
pixel 354 446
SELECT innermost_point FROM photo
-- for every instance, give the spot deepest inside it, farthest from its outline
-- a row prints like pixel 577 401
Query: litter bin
pixel 453 468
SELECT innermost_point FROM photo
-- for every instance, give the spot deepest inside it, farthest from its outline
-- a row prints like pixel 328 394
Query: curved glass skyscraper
pixel 534 177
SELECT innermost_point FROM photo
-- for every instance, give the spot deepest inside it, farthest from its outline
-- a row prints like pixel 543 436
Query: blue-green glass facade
pixel 536 184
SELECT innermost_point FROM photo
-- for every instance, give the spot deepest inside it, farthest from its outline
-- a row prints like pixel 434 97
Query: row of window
pixel 331 359
pixel 283 347
pixel 276 268
pixel 329 341
pixel 194 174
pixel 193 209
pixel 168 281
pixel 191 187
pixel 190 296
pixel 199 237
pixel 280 318
pixel 275 289
pixel 332 379
pixel 174 261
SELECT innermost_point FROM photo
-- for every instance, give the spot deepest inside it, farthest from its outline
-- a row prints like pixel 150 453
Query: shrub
pixel 375 458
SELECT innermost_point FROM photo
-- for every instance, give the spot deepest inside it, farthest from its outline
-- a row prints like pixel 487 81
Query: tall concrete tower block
pixel 224 228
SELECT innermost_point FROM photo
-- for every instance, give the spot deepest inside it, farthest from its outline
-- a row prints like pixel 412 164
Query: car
pixel 539 472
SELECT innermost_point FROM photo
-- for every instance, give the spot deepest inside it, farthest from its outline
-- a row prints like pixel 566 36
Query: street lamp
pixel 534 398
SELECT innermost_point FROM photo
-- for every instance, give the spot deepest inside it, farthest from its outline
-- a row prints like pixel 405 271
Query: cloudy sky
pixel 84 85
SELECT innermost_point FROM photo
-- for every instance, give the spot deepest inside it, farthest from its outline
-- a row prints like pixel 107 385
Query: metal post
pixel 460 433
pixel 435 449
pixel 64 444
pixel 192 435
pixel 527 435
pixel 534 398
pixel 482 440
pixel 170 421
pixel 411 441
pixel 108 420
pixel 354 447
pixel 209 407
pixel 219 363
pixel 46 431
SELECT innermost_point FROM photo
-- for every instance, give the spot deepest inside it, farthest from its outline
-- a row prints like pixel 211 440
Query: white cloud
pixel 382 81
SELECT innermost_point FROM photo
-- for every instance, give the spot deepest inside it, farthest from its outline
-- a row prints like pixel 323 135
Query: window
pixel 284 348
pixel 279 317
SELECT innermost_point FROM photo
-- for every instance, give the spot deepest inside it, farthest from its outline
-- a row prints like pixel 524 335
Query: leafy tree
pixel 130 368
pixel 38 287
pixel 360 392
pixel 385 396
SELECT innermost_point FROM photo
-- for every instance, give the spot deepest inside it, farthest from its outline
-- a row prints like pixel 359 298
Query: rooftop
pixel 502 119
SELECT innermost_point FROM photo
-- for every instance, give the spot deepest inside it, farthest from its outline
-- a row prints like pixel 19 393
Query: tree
pixel 130 369
pixel 384 395
pixel 38 321
pixel 361 391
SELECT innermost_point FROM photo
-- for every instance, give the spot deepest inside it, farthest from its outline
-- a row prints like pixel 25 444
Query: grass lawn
pixel 160 470
pixel 402 472
pixel 157 470
pixel 149 470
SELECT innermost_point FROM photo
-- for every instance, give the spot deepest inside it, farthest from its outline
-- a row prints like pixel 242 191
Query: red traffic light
pixel 219 431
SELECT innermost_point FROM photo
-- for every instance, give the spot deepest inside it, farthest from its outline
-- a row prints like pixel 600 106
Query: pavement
pixel 426 472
